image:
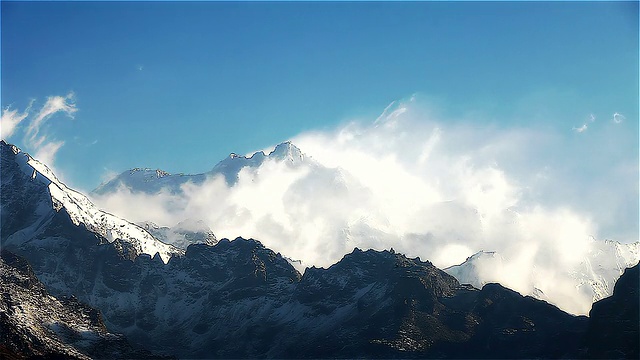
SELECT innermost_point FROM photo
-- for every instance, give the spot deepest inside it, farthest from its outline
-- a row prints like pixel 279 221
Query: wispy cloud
pixel 11 119
pixel 46 153
pixel 618 118
pixel 53 105
pixel 36 139
pixel 580 129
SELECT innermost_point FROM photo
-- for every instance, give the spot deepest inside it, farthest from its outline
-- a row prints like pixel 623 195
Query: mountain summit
pixel 152 181
pixel 37 207
pixel 287 152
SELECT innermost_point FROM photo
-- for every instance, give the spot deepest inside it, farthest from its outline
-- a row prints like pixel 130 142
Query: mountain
pixel 37 209
pixel 239 299
pixel 272 197
pixel 183 234
pixel 317 214
pixel 594 276
pixel 153 181
pixel 383 304
pixel 36 324
pixel 614 322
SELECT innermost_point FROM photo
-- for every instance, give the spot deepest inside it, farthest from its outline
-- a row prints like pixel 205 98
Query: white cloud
pixel 581 129
pixel 36 139
pixel 46 153
pixel 53 105
pixel 423 185
pixel 11 119
pixel 618 118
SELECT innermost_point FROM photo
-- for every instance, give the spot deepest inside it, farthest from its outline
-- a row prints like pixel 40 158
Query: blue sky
pixel 179 86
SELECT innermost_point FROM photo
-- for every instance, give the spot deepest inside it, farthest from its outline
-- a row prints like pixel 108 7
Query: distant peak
pixel 158 172
pixel 287 151
pixel 161 173
pixel 482 254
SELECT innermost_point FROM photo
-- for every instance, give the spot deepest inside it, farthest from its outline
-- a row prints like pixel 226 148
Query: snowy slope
pixel 56 196
pixel 183 234
pixel 152 181
pixel 594 276
pixel 36 324
pixel 604 264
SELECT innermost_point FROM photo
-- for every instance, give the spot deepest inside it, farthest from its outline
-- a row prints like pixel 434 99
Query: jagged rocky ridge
pixel 240 299
pixel 32 200
pixel 613 331
pixel 35 324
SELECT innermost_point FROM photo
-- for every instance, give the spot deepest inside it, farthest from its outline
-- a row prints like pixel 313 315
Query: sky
pixel 455 126
pixel 179 86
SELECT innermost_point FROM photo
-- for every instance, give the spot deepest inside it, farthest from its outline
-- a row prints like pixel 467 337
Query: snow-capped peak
pixel 82 211
pixel 288 152
pixel 594 276
pixel 148 172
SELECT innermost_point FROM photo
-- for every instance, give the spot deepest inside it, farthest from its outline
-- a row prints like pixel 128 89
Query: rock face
pixel 239 299
pixel 382 304
pixel 613 331
pixel 36 205
pixel 36 324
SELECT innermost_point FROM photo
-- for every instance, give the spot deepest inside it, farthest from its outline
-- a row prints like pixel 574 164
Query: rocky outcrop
pixel 613 331
pixel 36 324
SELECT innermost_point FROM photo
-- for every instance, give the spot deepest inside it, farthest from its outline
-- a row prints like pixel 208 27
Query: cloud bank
pixel 428 187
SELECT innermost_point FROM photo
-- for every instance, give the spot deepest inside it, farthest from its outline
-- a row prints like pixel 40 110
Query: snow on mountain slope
pixel 183 234
pixel 471 271
pixel 37 325
pixel 594 277
pixel 56 196
pixel 153 181
pixel 238 299
pixel 606 261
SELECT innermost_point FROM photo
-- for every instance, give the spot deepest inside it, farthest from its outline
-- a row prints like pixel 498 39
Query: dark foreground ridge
pixel 239 299
pixel 36 324
pixel 613 322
